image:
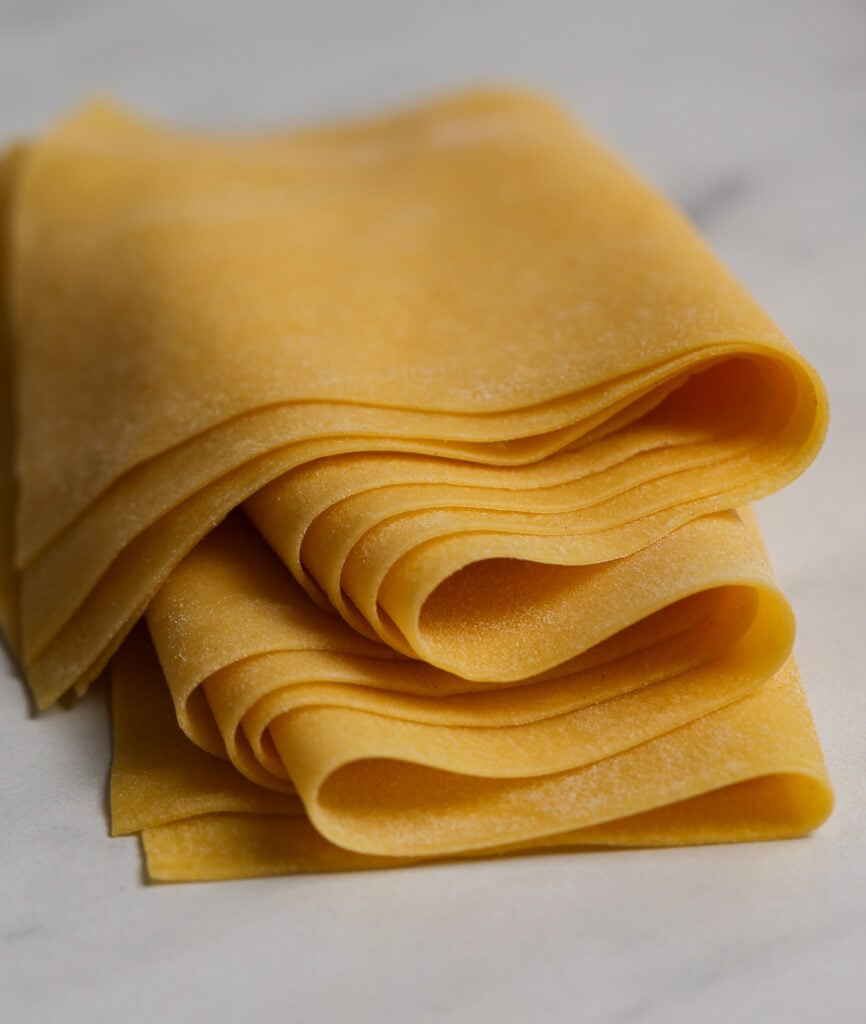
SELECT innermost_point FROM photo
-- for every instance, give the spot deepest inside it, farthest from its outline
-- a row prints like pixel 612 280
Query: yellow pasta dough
pixel 750 771
pixel 394 759
pixel 475 281
pixel 415 442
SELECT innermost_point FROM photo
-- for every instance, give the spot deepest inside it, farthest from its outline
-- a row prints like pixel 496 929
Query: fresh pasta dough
pixel 750 771
pixel 414 442
pixel 392 758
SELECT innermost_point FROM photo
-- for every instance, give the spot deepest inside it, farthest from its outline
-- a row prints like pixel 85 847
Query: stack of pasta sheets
pixel 395 467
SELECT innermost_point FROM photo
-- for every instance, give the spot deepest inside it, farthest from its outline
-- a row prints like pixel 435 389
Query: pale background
pixel 752 116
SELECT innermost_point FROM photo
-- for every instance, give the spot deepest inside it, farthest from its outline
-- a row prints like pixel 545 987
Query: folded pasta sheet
pixel 415 442
pixel 339 753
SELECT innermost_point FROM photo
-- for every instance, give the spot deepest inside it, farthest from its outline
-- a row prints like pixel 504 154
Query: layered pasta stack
pixel 398 470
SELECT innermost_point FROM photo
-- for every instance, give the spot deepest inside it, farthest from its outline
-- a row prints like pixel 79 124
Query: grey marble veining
pixel 718 198
pixel 752 116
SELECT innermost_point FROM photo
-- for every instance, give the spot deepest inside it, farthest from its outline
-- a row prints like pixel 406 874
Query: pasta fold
pixel 473 294
pixel 395 464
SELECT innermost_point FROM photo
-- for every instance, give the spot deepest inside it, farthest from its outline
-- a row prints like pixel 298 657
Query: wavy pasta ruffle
pixel 414 443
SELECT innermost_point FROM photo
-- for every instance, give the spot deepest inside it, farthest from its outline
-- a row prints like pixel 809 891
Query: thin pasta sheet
pixel 397 459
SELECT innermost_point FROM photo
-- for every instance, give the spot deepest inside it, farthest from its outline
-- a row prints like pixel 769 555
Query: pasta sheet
pixel 415 443
pixel 498 340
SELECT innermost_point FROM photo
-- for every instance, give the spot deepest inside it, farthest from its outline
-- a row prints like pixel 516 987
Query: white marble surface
pixel 752 115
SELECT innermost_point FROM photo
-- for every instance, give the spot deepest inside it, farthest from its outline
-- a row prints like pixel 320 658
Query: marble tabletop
pixel 751 115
